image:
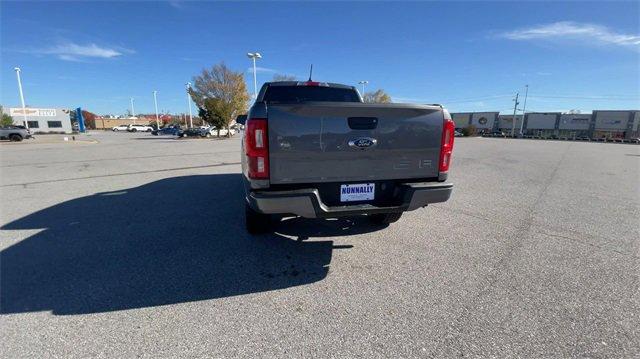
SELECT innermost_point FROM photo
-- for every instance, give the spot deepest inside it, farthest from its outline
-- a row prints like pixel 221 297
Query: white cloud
pixel 70 51
pixel 567 30
pixel 262 70
pixel 408 99
pixel 176 4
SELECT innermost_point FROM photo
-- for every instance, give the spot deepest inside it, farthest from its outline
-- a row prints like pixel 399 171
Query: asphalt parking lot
pixel 127 245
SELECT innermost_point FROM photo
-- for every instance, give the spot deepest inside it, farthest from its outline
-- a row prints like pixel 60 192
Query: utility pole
pixel 524 107
pixel 515 108
pixel 155 101
pixel 133 112
pixel 24 110
pixel 188 84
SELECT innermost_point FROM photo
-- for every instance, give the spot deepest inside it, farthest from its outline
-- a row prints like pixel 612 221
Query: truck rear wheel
pixel 256 222
pixel 385 218
pixel 15 138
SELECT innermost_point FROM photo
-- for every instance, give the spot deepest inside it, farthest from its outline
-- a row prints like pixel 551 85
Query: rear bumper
pixel 306 202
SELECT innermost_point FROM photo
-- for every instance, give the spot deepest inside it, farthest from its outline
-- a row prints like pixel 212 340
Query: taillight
pixel 446 146
pixel 257 148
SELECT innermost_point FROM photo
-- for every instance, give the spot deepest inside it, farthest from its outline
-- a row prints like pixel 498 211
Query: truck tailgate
pixel 346 142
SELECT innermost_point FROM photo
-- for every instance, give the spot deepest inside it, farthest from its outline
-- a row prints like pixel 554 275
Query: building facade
pixel 461 119
pixel 573 126
pixel 484 122
pixel 615 124
pixel 506 125
pixel 43 120
pixel 599 125
pixel 543 125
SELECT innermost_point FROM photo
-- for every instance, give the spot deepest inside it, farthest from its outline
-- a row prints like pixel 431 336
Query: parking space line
pixel 25 184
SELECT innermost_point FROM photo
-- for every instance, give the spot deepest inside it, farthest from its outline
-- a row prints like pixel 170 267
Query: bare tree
pixel 281 77
pixel 221 93
pixel 379 96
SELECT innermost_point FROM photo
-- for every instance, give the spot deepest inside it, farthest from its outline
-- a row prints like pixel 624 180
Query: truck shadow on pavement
pixel 171 241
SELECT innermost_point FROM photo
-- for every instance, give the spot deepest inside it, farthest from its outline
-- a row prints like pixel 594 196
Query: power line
pixel 476 98
pixel 615 98
pixel 612 97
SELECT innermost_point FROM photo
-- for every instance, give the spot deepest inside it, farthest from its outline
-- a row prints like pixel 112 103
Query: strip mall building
pixel 609 124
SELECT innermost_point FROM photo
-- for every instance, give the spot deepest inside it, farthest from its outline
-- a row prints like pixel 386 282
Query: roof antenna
pixel 310 72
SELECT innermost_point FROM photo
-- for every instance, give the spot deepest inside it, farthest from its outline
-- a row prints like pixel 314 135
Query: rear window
pixel 295 94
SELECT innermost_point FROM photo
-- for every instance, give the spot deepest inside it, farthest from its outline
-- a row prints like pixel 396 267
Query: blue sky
pixel 470 56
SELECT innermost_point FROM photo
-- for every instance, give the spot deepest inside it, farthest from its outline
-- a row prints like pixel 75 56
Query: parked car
pixel 192 132
pixel 139 128
pixel 213 131
pixel 315 150
pixel 120 128
pixel 169 130
pixel 14 133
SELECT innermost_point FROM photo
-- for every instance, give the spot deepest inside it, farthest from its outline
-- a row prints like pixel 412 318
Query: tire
pixel 256 223
pixel 15 138
pixel 134 130
pixel 149 130
pixel 385 218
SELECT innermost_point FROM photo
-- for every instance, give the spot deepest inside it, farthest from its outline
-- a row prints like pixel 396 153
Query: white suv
pixel 139 128
pixel 120 128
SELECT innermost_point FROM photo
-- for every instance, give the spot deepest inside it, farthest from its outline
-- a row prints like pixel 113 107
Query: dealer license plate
pixel 357 192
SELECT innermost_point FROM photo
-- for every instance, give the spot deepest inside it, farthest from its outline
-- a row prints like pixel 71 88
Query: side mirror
pixel 241 119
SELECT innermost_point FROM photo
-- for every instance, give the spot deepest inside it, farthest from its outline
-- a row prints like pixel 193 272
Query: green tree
pixel 207 112
pixel 221 93
pixel 281 77
pixel 379 96
pixel 7 120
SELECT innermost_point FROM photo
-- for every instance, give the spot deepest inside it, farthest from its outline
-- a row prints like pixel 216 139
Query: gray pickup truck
pixel 315 150
pixel 14 133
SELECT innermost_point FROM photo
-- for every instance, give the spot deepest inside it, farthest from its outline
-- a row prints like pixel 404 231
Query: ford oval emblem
pixel 363 143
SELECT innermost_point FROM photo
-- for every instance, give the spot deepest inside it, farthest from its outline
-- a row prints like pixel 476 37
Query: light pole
pixel 524 107
pixel 363 83
pixel 188 84
pixel 155 101
pixel 254 56
pixel 24 110
pixel 133 112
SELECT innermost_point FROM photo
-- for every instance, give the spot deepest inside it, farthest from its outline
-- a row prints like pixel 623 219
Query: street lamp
pixel 254 56
pixel 155 101
pixel 24 110
pixel 133 112
pixel 188 85
pixel 363 83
